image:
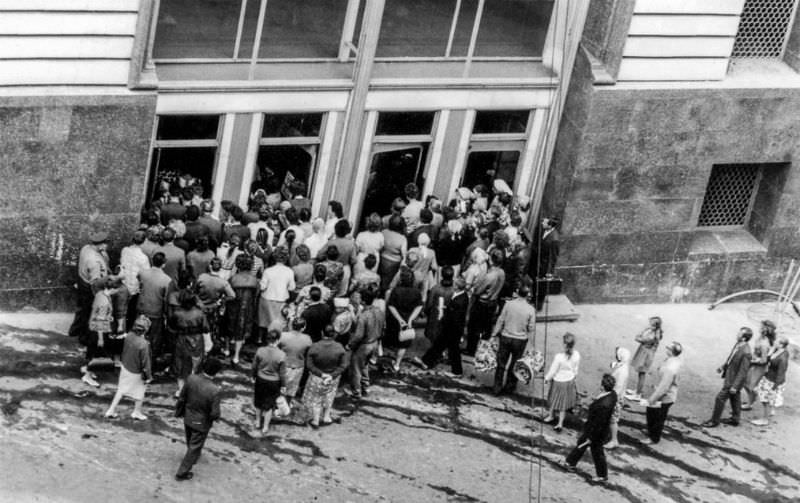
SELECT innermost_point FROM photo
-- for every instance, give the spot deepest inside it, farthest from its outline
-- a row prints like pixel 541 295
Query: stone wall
pixel 69 166
pixel 629 176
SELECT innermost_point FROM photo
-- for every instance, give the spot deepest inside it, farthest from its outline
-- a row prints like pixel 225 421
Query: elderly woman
pixel 426 266
pixel 192 334
pixel 643 359
pixel 758 363
pixel 620 369
pixel 269 376
pixel 563 372
pixel 395 247
pixel 404 306
pixel 770 388
pixel 326 360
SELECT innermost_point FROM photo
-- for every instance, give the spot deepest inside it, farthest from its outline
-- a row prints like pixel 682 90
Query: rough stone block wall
pixel 629 176
pixel 69 166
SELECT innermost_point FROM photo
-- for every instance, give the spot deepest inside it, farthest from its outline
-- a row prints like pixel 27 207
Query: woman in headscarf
pixel 192 333
pixel 620 370
pixel 426 266
pixel 326 360
pixel 136 371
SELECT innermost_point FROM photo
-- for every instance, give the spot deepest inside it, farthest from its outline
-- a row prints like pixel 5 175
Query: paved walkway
pixel 419 436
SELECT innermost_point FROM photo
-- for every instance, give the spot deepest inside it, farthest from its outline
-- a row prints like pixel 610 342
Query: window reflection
pixel 196 28
pixel 513 28
pixel 302 28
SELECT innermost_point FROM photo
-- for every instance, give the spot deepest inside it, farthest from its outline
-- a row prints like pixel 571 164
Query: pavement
pixel 418 436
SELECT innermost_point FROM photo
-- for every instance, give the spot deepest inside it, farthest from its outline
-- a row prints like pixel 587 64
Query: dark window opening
pixel 291 125
pixel 405 123
pixel 484 167
pixel 169 164
pixel 187 127
pixel 279 167
pixel 488 122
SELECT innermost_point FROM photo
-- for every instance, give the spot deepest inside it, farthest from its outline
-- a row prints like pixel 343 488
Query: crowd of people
pixel 320 302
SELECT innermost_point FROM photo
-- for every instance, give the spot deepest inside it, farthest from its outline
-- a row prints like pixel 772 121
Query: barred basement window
pixel 764 28
pixel 729 195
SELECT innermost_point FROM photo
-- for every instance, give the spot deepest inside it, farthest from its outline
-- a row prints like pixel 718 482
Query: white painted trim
pixel 362 172
pixel 461 156
pixel 54 46
pixel 250 158
pixel 527 163
pixel 222 162
pixel 64 72
pixel 443 99
pixel 436 152
pixel 77 23
pixel 689 7
pixel 247 102
pixel 348 29
pixel 70 5
pixel 684 25
pixel 662 47
pixel 324 164
pixel 673 69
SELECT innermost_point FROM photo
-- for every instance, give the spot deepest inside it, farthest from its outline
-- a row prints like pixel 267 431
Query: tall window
pixel 288 153
pixel 764 29
pixel 464 28
pixel 496 146
pixel 185 146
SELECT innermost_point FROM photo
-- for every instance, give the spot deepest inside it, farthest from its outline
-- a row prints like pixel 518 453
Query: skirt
pixel 130 384
pixel 643 358
pixel 293 377
pixel 562 395
pixel 754 375
pixel 767 393
pixel 387 271
pixel 269 311
pixel 266 392
pixel 319 394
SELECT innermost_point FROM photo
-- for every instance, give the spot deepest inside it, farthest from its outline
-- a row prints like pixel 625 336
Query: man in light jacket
pixel 734 373
pixel 664 394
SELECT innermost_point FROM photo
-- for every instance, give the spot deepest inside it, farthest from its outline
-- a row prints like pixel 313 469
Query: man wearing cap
pixel 92 266
pixel 132 260
pixel 515 328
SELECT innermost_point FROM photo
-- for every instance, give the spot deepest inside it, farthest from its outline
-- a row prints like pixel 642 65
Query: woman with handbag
pixel 404 305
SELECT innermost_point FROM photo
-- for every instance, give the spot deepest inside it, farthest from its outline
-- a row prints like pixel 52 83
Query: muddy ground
pixel 419 436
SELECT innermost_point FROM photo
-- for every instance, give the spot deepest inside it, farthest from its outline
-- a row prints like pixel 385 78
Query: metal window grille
pixel 729 195
pixel 763 28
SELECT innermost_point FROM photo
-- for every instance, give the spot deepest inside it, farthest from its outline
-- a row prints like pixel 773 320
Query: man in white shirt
pixel 319 238
pixel 132 260
pixel 413 208
pixel 276 284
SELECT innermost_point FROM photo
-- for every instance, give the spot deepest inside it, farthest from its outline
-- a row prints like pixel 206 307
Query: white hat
pixel 500 186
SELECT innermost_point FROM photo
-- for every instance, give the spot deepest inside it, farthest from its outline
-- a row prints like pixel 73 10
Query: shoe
pixel 88 379
pixel 235 361
pixel 327 421
pixel 634 397
pixel 599 480
pixel 710 424
pixel 138 417
pixel 759 422
pixel 313 424
pixel 557 428
pixel 396 368
pixel 549 420
pixel 611 446
pixel 419 362
pixel 647 441
pixel 351 393
pixel 184 476
pixel 110 415
pixel 373 361
pixel 364 391
pixel 566 466
pixel 747 406
pixel 730 422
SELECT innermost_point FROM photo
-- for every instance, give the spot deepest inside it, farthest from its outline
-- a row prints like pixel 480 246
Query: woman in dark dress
pixel 404 306
pixel 190 328
pixel 241 310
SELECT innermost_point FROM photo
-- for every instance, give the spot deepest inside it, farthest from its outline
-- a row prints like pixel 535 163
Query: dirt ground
pixel 418 436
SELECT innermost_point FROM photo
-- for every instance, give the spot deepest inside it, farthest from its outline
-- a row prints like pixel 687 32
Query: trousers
pixel 719 404
pixel 480 324
pixel 598 455
pixel 656 417
pixel 359 366
pixel 84 298
pixel 195 440
pixel 509 351
pixel 449 339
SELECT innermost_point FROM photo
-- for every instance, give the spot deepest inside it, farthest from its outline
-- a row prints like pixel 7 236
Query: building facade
pixel 100 100
pixel 675 172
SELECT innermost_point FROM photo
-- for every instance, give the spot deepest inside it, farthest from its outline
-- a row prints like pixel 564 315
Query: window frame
pixel 750 204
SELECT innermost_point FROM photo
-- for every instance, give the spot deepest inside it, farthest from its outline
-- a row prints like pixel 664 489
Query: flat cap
pixel 98 237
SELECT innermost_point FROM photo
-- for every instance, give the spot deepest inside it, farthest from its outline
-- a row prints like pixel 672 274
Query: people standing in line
pixel 771 387
pixel 335 213
pixel 96 338
pixel 132 260
pixel 758 364
pixel 136 371
pixel 155 287
pixel 175 258
pixel 438 297
pixel 213 293
pixel 563 393
pixel 648 340
pixel 734 372
pixel 92 266
pixel 620 370
pixel 364 342
pixel 208 219
pixel 189 326
pixel 404 306
pixel 295 344
pixel 426 266
pixel 548 248
pixel 199 406
pixel 515 329
pixel 413 207
pixel 241 310
pixel 276 286
pixel 152 241
pixel 346 247
pixel 326 360
pixel 194 228
pixel 317 314
pixel 269 378
pixel 485 292
pixel 395 248
pixel 198 260
pixel 227 253
pixel 664 394
pixel 368 242
pixel 453 324
pixel 595 430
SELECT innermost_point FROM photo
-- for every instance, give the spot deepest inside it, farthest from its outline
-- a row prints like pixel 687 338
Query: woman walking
pixel 135 372
pixel 643 359
pixel 758 364
pixel 326 360
pixel 770 388
pixel 269 376
pixel 620 369
pixel 192 336
pixel 563 371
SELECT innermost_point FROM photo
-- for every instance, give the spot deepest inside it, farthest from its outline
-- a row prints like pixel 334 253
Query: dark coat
pixel 734 371
pixel 455 315
pixel 548 253
pixel 199 403
pixel 317 316
pixel 596 429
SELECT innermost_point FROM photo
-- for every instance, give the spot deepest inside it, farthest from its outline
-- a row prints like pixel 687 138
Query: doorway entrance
pixel 392 168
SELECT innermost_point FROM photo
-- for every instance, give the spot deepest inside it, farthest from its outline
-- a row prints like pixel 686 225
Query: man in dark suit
pixel 453 322
pixel 317 315
pixel 734 372
pixel 549 247
pixel 596 431
pixel 198 404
